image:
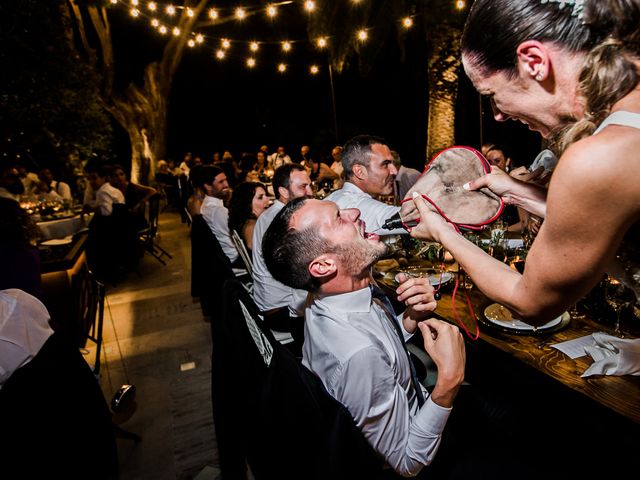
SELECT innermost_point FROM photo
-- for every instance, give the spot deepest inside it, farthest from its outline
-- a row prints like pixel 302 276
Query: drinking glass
pixel 498 229
pixel 618 300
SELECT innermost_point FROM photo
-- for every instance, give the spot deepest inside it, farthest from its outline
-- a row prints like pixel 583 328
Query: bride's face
pixel 544 106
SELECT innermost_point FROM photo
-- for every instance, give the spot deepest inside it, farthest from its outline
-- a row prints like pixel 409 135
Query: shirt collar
pixel 350 187
pixel 350 302
pixel 214 201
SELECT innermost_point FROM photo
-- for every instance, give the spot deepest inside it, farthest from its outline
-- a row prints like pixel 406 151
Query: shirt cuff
pixel 431 418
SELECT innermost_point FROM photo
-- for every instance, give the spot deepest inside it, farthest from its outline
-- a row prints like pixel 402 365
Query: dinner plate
pixel 500 317
pixel 435 278
pixel 58 241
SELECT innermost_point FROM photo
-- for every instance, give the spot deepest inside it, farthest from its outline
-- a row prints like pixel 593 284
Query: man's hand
pixel 430 222
pixel 417 295
pixel 445 345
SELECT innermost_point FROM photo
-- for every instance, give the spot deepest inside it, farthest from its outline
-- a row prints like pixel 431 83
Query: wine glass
pixel 615 294
pixel 498 229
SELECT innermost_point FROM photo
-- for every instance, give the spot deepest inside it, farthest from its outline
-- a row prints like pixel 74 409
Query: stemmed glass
pixel 615 294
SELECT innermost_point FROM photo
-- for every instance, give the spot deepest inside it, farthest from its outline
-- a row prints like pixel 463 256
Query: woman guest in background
pixel 570 71
pixel 248 201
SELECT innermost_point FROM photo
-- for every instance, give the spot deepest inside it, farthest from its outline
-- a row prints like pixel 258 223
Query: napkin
pixel 613 356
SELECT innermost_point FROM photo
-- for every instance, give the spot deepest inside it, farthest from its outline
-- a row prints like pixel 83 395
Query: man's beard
pixel 357 258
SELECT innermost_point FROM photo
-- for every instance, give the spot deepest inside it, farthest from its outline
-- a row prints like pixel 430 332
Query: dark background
pixel 223 105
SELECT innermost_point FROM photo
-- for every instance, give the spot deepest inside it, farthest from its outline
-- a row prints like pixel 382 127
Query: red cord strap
pixel 474 321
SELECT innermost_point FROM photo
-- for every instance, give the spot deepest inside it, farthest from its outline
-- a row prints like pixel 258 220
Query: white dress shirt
pixel 24 329
pixel 372 211
pixel 61 189
pixel 217 217
pixel 268 293
pixel 106 196
pixel 352 346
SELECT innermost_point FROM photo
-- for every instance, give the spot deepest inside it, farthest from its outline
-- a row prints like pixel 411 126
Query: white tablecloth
pixel 63 227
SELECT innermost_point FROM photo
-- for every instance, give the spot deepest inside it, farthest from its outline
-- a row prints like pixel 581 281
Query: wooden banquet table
pixel 620 394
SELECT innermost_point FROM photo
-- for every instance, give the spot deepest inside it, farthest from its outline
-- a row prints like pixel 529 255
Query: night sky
pixel 217 106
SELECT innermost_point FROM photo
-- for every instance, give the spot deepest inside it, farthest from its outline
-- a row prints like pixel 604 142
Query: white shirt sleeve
pixel 367 387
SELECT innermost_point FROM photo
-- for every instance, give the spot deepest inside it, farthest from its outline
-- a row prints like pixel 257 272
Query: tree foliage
pixel 49 99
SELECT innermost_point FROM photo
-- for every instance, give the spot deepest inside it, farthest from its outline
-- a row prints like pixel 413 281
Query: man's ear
pixel 533 59
pixel 359 171
pixel 323 266
pixel 284 194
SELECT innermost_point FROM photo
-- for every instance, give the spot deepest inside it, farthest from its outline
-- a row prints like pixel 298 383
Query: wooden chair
pixel 242 250
pixel 272 413
pixel 148 235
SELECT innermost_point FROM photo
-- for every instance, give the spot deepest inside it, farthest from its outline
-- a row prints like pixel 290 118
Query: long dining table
pixel 620 394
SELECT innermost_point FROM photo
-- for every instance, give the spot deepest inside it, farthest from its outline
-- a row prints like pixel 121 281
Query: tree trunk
pixel 443 64
pixel 141 111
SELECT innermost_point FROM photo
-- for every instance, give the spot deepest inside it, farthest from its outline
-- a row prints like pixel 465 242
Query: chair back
pixel 272 411
pixel 243 252
pixel 210 267
pixel 88 294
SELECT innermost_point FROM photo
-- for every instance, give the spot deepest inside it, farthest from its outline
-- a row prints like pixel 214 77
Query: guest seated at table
pixel 50 188
pixel 369 171
pixel 282 307
pixel 405 178
pixel 167 182
pixel 19 256
pixel 573 76
pixel 10 185
pixel 214 183
pixel 55 420
pixel 112 246
pixel 319 172
pixel 354 342
pixel 248 201
pixel 100 196
pixel 135 195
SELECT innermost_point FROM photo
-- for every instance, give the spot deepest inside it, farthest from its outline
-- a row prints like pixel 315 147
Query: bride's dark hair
pixel 606 31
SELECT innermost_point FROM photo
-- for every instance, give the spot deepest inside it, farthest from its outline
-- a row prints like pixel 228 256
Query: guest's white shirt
pixel 372 211
pixel 268 293
pixel 217 217
pixel 103 198
pixel 24 329
pixel 278 160
pixel 354 349
pixel 61 189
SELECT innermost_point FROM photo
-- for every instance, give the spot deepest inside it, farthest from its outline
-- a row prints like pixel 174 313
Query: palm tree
pixel 442 22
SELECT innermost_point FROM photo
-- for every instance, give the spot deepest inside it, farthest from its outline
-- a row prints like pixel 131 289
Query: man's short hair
pixel 397 162
pixel 207 174
pixel 358 151
pixel 288 252
pixel 282 177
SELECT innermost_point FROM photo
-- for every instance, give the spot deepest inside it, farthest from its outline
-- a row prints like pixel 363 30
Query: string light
pixel 251 62
pixel 272 10
pixel 191 42
pixel 407 22
pixel 199 38
pixel 225 43
pixel 175 31
pixel 362 35
pixel 460 4
pixel 314 69
pixel 152 6
pixel 134 3
pixel 114 2
pixel 162 29
pixel 213 14
pixel 171 10
pixel 286 46
pixel 155 22
pixel 309 5
pixel 220 54
pixel 254 46
pixel 282 68
pixel 321 42
pixel 240 13
pixel 189 13
pixel 134 12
